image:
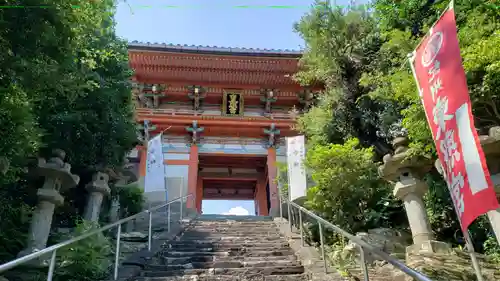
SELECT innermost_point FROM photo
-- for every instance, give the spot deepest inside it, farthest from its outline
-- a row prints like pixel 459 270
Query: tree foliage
pixel 64 82
pixel 339 46
pixel 348 191
pixel 370 94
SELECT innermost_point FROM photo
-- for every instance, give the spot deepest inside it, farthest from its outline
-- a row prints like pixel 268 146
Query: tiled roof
pixel 136 45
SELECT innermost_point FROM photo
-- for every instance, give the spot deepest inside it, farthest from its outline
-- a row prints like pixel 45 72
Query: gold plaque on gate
pixel 232 103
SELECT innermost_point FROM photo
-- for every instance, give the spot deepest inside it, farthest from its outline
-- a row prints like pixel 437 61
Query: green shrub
pixel 86 260
pixel 348 190
pixel 492 249
pixel 131 200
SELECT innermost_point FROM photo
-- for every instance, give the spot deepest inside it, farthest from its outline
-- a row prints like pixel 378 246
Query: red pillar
pixel 273 186
pixel 261 197
pixel 193 176
pixel 143 155
pixel 199 194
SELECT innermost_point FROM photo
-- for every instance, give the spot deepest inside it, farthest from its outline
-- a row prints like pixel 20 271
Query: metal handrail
pixel 360 243
pixel 53 249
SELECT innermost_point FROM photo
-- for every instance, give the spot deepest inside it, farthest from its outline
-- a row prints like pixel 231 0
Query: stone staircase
pixel 226 248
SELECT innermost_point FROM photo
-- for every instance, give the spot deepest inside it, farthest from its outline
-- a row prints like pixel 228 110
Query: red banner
pixel 443 89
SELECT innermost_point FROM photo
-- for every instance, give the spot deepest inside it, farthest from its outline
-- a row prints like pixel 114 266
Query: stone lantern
pixel 406 172
pixel 98 188
pixel 57 175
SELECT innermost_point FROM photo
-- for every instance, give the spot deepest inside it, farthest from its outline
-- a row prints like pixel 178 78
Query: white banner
pixel 297 179
pixel 155 170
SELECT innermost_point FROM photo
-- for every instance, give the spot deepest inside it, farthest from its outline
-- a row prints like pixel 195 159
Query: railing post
pixel 321 238
pixel 150 232
pixel 194 204
pixel 52 266
pixel 289 214
pixel 117 251
pixel 301 229
pixel 168 218
pixel 363 263
pixel 182 207
pixel 281 204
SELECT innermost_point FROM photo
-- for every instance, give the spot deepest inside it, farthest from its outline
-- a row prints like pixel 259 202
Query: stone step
pixel 235 232
pixel 231 224
pixel 234 223
pixel 224 264
pixel 230 250
pixel 186 245
pixel 232 239
pixel 245 271
pixel 294 277
pixel 216 237
pixel 254 253
pixel 218 218
pixel 192 259
pixel 221 228
pixel 206 225
pixel 247 229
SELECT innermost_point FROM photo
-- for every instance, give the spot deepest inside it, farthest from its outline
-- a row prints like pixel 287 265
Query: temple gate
pixel 224 114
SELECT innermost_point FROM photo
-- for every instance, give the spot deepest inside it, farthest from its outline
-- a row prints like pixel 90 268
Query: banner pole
pixel 468 241
pixel 472 253
pixel 145 145
pixel 164 175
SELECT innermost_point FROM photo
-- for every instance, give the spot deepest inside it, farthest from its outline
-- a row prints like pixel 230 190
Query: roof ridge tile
pixel 185 47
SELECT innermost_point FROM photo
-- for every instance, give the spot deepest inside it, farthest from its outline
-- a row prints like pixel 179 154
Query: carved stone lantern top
pixel 491 149
pixel 401 162
pixel 57 170
pixel 99 183
pixel 491 142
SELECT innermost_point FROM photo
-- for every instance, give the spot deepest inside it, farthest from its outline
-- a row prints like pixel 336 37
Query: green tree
pixel 64 83
pixel 340 44
pixel 370 93
pixel 348 190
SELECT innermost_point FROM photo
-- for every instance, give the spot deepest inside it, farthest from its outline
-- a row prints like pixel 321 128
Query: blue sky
pixel 229 207
pixel 215 23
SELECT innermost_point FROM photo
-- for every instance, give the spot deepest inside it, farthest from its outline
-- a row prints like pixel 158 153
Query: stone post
pixel 98 188
pixel 57 175
pixel 491 149
pixel 407 172
pixel 115 203
pixel 411 190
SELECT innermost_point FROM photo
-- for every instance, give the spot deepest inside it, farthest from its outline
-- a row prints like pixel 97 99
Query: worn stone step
pixel 229 251
pixel 249 229
pixel 198 243
pixel 210 238
pixel 232 239
pixel 245 271
pixel 241 227
pixel 256 252
pixel 219 229
pixel 197 246
pixel 224 264
pixel 231 233
pixel 232 224
pixel 294 277
pixel 206 225
pixel 191 259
